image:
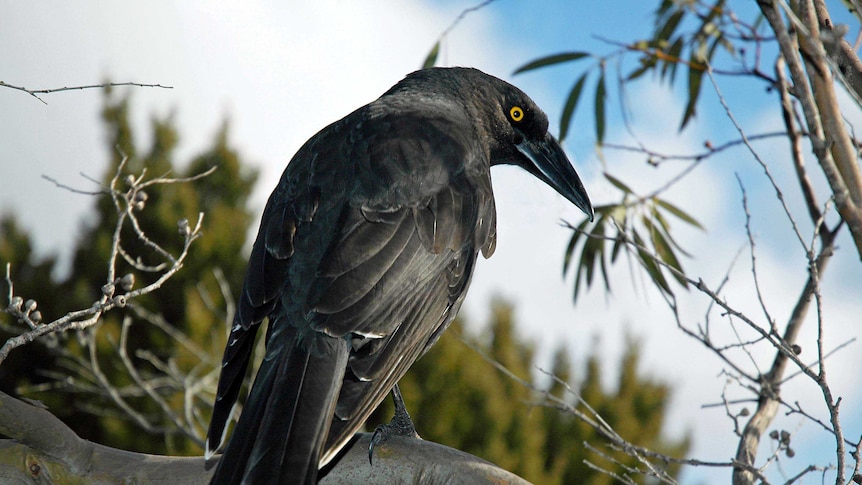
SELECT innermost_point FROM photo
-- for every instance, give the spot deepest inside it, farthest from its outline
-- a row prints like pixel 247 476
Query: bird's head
pixel 519 129
pixel 509 122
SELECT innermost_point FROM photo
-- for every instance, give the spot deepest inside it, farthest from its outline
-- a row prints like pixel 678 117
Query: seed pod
pixel 15 304
pixel 183 225
pixel 127 282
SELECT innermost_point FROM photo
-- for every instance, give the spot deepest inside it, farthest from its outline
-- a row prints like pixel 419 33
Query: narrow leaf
pixel 601 95
pixel 570 249
pixel 571 104
pixel 589 258
pixel 667 255
pixel 679 213
pixel 650 266
pixel 615 250
pixel 695 76
pixel 670 26
pixel 665 227
pixel 672 59
pixel 645 66
pixel 431 58
pixel 618 183
pixel 600 232
pixel 551 60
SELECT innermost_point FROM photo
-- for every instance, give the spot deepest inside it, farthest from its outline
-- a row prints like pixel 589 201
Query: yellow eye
pixel 516 113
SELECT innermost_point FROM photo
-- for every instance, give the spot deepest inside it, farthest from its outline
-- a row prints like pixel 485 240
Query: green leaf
pixel 591 249
pixel 601 95
pixel 600 231
pixel 664 7
pixel 663 249
pixel 571 104
pixel 570 249
pixel 674 52
pixel 615 250
pixel 431 58
pixel 645 66
pixel 650 266
pixel 618 183
pixel 695 76
pixel 665 252
pixel 666 231
pixel 551 60
pixel 583 264
pixel 670 26
pixel 679 213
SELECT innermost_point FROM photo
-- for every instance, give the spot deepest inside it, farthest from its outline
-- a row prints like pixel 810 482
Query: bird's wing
pixel 395 275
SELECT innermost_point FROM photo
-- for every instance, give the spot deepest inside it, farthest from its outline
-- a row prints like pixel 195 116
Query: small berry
pixel 127 282
pixel 29 305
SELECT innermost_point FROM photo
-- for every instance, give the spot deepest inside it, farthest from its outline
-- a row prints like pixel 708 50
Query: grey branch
pixel 44 450
pixel 36 92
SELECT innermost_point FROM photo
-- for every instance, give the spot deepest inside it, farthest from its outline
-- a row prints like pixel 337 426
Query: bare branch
pixel 44 447
pixel 126 203
pixel 36 92
pixel 842 189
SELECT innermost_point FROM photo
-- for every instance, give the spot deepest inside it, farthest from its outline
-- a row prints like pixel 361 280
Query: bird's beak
pixel 549 163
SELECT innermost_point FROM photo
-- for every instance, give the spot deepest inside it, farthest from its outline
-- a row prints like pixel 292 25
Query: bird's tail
pixel 286 417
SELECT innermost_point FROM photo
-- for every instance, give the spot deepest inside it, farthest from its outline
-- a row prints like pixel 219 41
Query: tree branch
pixel 44 450
pixel 845 200
pixel 36 92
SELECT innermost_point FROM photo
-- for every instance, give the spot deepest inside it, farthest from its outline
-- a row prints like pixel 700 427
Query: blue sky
pixel 280 73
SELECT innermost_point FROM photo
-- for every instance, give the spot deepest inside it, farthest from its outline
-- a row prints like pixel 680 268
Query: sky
pixel 280 73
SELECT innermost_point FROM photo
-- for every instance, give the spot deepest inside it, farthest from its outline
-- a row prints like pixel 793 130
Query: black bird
pixel 364 255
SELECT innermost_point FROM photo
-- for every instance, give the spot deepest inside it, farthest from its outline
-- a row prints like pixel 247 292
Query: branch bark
pixel 43 450
pixel 814 87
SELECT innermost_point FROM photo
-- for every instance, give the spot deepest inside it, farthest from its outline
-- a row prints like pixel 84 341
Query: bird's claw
pixel 401 425
pixel 379 436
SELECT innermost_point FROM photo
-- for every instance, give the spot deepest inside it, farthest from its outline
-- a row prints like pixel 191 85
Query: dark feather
pixel 364 255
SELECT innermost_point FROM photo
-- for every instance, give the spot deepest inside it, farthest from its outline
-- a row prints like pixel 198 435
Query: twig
pixel 125 204
pixel 36 92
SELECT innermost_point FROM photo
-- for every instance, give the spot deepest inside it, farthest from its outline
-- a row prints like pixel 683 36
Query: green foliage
pixel 431 58
pixel 458 398
pixel 685 34
pixel 552 60
pixel 638 226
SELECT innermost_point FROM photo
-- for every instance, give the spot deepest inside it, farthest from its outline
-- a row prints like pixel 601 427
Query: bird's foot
pixel 400 425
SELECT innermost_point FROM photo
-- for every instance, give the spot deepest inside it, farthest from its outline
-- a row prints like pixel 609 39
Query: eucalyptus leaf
pixel 551 60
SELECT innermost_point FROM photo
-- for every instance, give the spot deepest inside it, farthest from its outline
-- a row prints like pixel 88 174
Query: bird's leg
pixel 400 425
